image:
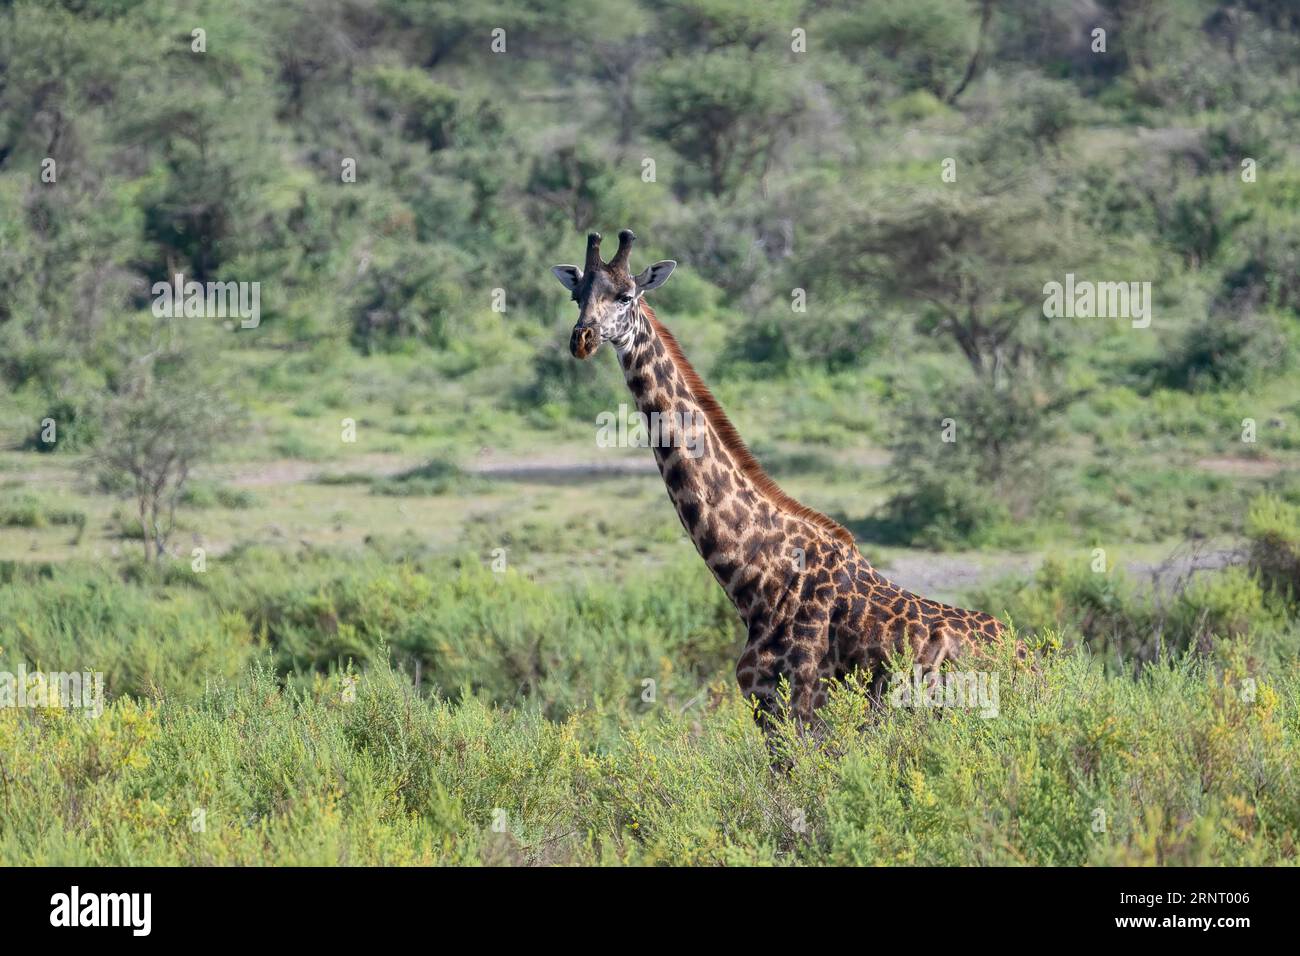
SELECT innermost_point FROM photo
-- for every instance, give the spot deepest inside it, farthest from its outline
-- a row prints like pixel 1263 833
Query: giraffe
pixel 814 608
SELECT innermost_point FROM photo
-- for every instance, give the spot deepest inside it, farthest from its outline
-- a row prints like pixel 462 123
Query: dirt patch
pixel 262 474
pixel 564 471
pixel 951 575
pixel 288 471
pixel 558 469
pixel 1173 571
pixel 1248 467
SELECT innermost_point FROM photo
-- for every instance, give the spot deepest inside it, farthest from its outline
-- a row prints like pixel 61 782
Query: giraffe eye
pixel 625 298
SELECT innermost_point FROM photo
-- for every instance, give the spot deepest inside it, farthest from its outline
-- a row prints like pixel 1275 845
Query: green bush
pixel 917 46
pixel 25 510
pixel 76 428
pixel 1227 604
pixel 144 639
pixel 562 387
pixel 942 512
pixel 373 773
pixel 1228 348
pixel 967 466
pixel 209 494
pixel 1269 275
pixel 1130 625
pixel 463 626
pixel 1273 530
pixel 436 477
pixel 1101 609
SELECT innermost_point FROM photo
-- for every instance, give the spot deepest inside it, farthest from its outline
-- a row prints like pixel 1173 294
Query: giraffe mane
pixel 732 441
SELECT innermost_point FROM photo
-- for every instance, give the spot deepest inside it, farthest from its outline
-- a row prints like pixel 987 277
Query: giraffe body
pixel 814 608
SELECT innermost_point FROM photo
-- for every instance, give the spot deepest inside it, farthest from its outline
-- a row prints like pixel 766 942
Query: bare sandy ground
pixel 948 575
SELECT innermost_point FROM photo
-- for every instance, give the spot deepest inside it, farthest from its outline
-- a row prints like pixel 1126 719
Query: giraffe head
pixel 607 293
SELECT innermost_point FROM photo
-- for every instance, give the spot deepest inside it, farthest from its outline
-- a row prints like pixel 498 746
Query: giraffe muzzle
pixel 584 342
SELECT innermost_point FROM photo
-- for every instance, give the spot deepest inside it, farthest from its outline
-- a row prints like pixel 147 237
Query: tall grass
pixel 459 625
pixel 1185 765
pixel 340 708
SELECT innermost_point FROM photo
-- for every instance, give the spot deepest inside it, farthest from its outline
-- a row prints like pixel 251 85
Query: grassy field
pixel 348 681
pixel 400 702
pixel 529 738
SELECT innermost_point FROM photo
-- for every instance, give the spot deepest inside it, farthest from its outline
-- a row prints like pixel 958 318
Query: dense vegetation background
pixel 866 202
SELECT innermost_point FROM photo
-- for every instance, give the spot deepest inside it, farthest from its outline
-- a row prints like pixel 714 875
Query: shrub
pixel 964 492
pixel 375 773
pixel 1225 604
pixel 170 413
pixel 407 296
pixel 29 511
pixel 1273 530
pixel 940 512
pixel 1200 219
pixel 1101 609
pixel 1229 348
pixel 208 494
pixel 917 46
pixel 563 387
pixel 79 619
pixel 436 477
pixel 1269 275
pixel 75 428
pixel 1122 622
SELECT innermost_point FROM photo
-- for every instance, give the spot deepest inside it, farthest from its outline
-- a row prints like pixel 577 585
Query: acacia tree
pixel 727 111
pixel 970 266
pixel 977 262
pixel 168 415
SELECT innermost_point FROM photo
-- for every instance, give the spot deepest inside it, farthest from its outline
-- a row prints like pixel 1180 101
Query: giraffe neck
pixel 747 540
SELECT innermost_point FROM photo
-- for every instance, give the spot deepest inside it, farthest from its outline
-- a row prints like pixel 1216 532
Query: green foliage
pixel 1273 529
pixel 436 477
pixel 774 170
pixel 1184 768
pixel 724 112
pixel 24 510
pixel 168 414
pixel 426 109
pixel 75 428
pixel 142 641
pixel 975 263
pixel 1027 113
pixel 960 473
pixel 921 45
pixel 1228 604
pixel 562 387
pixel 1201 219
pixel 406 296
pixel 1121 621
pixel 1226 349
pixel 464 626
pixel 209 494
pixel 941 511
pixel 1269 276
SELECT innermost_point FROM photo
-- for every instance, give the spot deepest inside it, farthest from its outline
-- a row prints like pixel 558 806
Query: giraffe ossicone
pixel 815 608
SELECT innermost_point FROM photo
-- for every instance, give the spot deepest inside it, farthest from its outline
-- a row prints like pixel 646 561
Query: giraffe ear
pixel 569 276
pixel 656 275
